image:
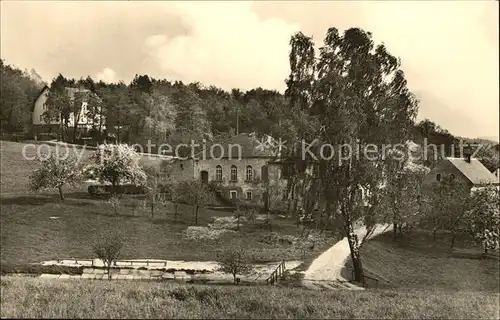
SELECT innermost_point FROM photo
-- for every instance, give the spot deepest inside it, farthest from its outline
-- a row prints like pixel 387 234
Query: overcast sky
pixel 449 50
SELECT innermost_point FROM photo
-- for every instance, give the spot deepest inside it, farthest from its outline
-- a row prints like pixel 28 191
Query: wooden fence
pixel 277 274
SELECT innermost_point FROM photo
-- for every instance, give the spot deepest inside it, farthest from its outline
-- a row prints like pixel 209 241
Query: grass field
pixel 415 261
pixel 16 168
pixel 30 233
pixel 35 298
pixel 419 278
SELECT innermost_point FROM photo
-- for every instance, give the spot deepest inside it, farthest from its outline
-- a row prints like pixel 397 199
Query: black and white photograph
pixel 249 159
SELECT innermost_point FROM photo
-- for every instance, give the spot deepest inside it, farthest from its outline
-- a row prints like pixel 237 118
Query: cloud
pixel 107 75
pixel 228 46
pixel 78 38
pixel 448 49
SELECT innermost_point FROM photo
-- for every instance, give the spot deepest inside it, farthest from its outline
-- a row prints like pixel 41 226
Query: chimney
pixel 467 153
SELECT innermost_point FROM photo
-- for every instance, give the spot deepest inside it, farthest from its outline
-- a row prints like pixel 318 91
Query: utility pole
pixel 237 119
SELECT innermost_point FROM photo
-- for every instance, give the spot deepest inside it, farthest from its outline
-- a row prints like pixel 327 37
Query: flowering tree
pixel 485 218
pixel 116 164
pixel 55 172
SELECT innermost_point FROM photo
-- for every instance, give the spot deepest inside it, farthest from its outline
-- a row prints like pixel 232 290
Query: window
pixel 438 177
pixel 249 173
pixel 234 173
pixel 233 194
pixel 249 195
pixel 218 173
pixel 452 177
pixel 182 166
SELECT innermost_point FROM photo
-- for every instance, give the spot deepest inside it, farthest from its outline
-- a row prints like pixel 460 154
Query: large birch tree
pixel 358 95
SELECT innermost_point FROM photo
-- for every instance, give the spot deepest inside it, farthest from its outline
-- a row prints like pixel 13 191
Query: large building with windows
pixel 241 167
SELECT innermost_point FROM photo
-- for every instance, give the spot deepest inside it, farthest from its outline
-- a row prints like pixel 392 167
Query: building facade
pixel 241 168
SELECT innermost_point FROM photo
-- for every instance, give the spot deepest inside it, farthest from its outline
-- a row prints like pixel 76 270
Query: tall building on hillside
pixel 84 122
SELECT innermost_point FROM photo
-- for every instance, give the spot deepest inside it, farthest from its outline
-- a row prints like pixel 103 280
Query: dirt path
pixel 325 271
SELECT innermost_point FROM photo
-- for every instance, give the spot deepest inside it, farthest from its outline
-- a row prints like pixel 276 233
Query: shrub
pixel 234 261
pixel 107 247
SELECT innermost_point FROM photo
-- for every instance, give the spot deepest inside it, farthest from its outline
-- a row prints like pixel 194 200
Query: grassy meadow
pixel 37 227
pixel 419 278
pixel 36 298
pixel 415 261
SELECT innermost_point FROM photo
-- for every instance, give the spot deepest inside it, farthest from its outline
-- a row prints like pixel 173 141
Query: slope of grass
pixel 417 262
pixel 35 298
pixel 16 165
pixel 42 227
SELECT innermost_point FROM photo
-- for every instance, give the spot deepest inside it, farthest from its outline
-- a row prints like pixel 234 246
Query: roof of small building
pixel 71 93
pixel 474 171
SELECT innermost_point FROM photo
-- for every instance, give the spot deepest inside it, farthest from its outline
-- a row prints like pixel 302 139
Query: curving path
pixel 325 271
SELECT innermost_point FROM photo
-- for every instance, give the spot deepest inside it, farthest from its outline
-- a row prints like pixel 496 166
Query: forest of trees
pixel 173 112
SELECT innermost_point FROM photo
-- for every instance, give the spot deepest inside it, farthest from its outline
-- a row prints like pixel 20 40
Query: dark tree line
pixel 173 112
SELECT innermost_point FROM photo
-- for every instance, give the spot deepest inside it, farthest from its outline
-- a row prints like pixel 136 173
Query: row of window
pixel 234 173
pixel 234 195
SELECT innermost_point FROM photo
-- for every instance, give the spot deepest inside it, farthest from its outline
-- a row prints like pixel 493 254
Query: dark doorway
pixel 265 200
pixel 264 173
pixel 204 177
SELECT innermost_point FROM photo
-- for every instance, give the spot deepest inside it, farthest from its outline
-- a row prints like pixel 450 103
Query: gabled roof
pixel 474 171
pixel 42 91
pixel 244 145
pixel 71 93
